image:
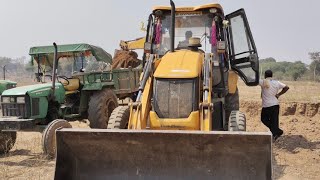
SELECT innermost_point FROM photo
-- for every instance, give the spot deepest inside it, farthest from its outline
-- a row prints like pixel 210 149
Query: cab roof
pixel 190 8
pixel 66 49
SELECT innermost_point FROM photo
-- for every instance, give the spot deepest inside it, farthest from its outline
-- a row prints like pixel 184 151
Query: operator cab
pixel 72 66
pixel 226 37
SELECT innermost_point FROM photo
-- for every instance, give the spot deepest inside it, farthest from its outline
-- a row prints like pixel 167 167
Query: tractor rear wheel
pixel 119 118
pixel 7 140
pixel 237 121
pixel 101 106
pixel 49 136
pixel 231 104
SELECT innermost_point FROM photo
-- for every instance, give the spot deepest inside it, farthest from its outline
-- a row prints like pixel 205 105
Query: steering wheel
pixel 65 78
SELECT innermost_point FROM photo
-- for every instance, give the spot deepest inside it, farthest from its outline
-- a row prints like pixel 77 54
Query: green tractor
pixel 6 84
pixel 83 87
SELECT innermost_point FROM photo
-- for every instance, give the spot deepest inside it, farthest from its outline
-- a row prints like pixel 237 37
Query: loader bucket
pixel 146 154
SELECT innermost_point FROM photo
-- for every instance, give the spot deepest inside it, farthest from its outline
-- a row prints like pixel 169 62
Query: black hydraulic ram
pixel 146 73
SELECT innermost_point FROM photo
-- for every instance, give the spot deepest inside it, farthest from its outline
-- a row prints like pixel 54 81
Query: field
pixel 296 154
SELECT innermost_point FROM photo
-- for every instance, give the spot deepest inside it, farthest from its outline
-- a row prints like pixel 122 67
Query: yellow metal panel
pixel 190 123
pixel 232 81
pixel 188 9
pixel 133 44
pixel 180 64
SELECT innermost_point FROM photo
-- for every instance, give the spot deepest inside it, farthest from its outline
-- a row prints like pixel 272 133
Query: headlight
pixel 6 99
pixel 20 100
pixel 213 10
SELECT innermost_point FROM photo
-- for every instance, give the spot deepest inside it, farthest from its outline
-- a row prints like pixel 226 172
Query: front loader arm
pixel 140 109
pixel 206 106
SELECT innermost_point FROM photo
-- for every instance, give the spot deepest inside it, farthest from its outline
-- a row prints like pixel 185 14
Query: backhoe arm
pixel 133 44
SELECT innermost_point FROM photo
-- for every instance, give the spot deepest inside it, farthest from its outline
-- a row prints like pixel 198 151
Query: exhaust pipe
pixel 4 72
pixel 54 72
pixel 173 22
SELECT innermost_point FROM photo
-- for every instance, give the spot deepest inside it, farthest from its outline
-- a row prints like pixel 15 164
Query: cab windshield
pixel 70 64
pixel 187 25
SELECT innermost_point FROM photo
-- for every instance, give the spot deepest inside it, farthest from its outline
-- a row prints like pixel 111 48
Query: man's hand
pixel 284 90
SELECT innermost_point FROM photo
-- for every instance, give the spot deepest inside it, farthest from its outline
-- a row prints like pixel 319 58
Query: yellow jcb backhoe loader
pixel 185 122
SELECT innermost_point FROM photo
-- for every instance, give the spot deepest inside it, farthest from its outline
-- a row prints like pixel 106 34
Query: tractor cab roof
pixel 190 8
pixel 68 50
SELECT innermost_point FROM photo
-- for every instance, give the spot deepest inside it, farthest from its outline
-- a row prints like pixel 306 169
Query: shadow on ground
pixel 278 169
pixel 292 143
pixel 17 152
pixel 28 159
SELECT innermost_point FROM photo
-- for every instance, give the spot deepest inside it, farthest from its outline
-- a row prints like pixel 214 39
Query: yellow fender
pixel 232 81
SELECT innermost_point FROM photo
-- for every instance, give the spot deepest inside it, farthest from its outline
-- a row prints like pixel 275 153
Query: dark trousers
pixel 270 118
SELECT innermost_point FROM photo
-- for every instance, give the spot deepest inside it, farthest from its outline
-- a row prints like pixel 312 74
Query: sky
pixel 286 30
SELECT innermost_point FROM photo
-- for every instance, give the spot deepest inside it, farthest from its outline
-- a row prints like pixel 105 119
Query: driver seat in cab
pixel 73 86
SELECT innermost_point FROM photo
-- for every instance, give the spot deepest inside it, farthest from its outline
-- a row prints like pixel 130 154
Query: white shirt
pixel 269 94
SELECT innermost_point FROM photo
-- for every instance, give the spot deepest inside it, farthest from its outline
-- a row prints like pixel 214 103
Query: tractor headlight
pixel 5 99
pixel 21 100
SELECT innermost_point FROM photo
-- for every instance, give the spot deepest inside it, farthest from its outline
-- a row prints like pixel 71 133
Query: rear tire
pixel 231 104
pixel 119 118
pixel 7 141
pixel 237 121
pixel 101 105
pixel 49 136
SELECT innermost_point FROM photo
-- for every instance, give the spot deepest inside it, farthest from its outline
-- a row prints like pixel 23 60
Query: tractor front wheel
pixel 49 136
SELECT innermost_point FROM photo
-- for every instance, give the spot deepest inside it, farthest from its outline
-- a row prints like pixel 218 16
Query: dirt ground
pixel 296 154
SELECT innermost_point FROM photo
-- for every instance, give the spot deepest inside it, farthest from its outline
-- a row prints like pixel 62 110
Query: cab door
pixel 242 49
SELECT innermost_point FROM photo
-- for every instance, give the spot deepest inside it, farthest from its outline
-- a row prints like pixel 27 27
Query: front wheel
pixel 237 121
pixel 7 140
pixel 49 136
pixel 119 118
pixel 231 104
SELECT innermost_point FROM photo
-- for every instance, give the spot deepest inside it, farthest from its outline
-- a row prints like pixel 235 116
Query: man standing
pixel 270 103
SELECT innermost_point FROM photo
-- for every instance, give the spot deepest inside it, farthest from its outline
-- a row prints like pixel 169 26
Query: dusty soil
pixel 296 154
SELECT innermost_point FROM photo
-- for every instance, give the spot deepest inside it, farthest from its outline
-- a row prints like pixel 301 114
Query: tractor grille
pixel 35 106
pixel 174 98
pixel 14 109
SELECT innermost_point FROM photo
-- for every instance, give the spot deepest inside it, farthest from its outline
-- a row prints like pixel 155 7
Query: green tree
pixel 315 64
pixel 296 70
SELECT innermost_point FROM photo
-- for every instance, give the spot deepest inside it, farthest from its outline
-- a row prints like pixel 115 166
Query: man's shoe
pixel 275 137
